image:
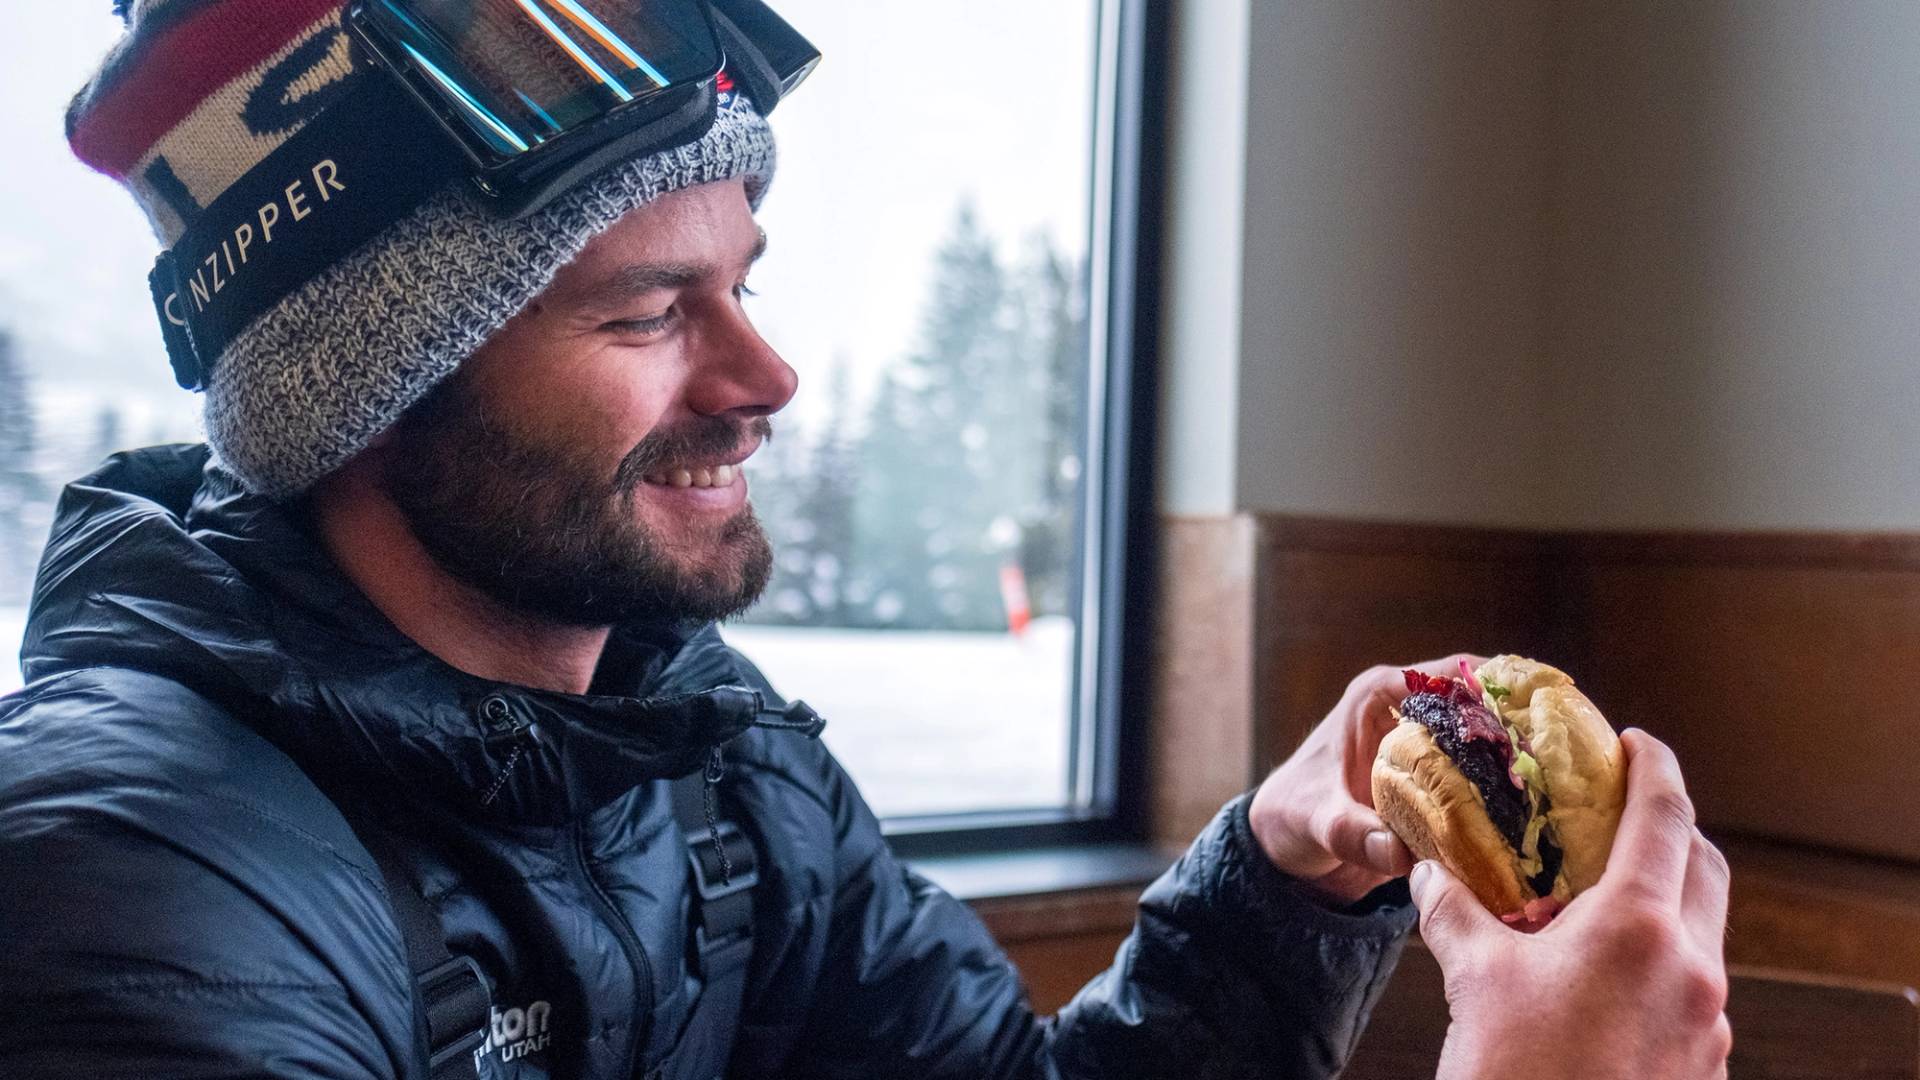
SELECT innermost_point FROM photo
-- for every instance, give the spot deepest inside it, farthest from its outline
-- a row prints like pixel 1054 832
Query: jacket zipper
pixel 629 943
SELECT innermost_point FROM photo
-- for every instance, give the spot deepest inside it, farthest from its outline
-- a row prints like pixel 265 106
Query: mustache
pixel 702 437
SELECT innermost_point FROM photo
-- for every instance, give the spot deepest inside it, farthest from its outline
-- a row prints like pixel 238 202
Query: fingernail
pixel 1422 870
pixel 1380 851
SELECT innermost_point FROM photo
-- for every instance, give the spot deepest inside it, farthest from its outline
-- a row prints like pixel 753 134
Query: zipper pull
pixel 499 719
pixel 502 725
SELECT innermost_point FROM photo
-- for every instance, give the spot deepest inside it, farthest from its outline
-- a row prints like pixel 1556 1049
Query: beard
pixel 548 533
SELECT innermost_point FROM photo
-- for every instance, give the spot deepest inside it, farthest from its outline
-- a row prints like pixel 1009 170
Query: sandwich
pixel 1510 778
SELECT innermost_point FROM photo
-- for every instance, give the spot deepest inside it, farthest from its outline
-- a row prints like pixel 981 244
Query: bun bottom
pixel 1436 811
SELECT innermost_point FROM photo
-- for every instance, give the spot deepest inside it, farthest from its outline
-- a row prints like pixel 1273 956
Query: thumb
pixel 1356 836
pixel 1451 917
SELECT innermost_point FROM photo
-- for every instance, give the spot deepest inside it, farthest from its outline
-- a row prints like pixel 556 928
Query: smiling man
pixel 391 735
pixel 584 468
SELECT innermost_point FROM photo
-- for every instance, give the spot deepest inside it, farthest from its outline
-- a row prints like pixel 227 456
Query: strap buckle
pixel 741 859
pixel 452 995
pixel 723 919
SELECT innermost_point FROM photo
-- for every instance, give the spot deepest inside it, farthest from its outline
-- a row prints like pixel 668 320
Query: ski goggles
pixel 539 94
pixel 523 98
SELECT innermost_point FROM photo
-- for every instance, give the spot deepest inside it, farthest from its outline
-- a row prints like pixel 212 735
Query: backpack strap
pixel 452 1006
pixel 451 1003
pixel 725 869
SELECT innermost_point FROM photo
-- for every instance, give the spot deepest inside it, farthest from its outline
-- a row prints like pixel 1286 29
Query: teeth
pixel 718 476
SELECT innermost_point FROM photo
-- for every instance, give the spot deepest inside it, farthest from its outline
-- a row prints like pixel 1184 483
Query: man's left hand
pixel 1314 816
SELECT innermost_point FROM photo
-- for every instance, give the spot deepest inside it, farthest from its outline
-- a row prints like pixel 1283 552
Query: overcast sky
pixel 917 105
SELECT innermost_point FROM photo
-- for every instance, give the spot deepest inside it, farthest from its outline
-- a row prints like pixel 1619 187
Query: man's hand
pixel 1628 982
pixel 1314 816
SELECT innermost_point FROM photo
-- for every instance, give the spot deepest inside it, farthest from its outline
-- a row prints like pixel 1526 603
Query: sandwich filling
pixel 1463 717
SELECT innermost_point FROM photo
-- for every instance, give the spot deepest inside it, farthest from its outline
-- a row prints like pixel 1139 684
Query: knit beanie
pixel 198 92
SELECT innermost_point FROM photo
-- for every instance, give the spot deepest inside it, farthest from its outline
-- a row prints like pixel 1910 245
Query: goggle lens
pixel 517 73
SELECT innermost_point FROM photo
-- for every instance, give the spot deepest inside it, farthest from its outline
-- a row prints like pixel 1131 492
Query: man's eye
pixel 642 326
pixel 743 290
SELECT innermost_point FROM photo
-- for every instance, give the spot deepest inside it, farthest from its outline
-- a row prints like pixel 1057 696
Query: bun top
pixel 1579 755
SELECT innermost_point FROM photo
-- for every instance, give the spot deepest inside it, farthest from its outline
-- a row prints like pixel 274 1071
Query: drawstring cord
pixel 716 768
pixel 502 723
pixel 500 779
pixel 797 717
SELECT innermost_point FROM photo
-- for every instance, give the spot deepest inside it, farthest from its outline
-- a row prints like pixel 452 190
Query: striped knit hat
pixel 198 92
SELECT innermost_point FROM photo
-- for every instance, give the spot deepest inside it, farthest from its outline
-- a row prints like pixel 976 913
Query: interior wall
pixel 1580 264
pixel 1396 171
pixel 1205 210
pixel 1734 294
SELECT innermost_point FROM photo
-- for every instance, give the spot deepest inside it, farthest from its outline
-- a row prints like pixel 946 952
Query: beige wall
pixel 1556 262
pixel 1206 211
pixel 1735 287
pixel 1396 168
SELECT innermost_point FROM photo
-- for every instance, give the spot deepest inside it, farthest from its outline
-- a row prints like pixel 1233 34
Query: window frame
pixel 1106 777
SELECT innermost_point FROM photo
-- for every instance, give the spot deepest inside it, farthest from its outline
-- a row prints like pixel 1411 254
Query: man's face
pixel 583 465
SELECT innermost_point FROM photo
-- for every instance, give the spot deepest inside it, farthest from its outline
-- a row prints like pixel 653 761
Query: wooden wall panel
pixel 1777 666
pixel 1815 910
pixel 1782 671
pixel 1785 1027
pixel 1055 968
pixel 1060 941
pixel 1333 598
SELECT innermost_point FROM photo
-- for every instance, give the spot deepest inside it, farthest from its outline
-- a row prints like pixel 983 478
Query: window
pixel 945 493
pixel 82 370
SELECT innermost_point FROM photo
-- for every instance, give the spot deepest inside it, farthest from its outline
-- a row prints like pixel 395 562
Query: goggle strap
pixel 746 64
pixel 345 176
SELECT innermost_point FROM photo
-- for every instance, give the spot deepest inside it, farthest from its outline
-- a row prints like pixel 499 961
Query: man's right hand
pixel 1627 982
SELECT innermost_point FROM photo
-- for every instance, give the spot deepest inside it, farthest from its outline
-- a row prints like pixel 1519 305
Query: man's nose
pixel 739 372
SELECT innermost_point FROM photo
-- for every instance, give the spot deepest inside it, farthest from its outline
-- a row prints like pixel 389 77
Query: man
pixel 426 640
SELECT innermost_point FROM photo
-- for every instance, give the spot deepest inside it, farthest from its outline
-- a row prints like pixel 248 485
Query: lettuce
pixel 1527 769
pixel 1530 846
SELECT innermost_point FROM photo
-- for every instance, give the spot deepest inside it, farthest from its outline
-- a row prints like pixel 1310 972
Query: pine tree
pixel 1057 340
pixel 827 507
pixel 20 486
pixel 107 438
pixel 804 495
pixel 774 475
pixel 936 454
pixel 891 580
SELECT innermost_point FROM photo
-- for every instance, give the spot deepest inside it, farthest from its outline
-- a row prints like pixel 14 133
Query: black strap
pixel 720 913
pixel 451 1003
pixel 746 65
pixel 358 166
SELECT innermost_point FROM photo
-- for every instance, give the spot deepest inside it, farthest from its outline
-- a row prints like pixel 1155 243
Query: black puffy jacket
pixel 181 896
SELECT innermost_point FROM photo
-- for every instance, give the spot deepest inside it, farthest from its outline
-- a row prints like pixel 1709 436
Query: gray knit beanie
pixel 178 113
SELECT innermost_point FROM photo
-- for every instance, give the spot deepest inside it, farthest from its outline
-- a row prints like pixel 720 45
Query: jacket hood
pixel 161 561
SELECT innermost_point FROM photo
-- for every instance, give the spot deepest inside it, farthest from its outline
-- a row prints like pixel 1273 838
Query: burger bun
pixel 1439 814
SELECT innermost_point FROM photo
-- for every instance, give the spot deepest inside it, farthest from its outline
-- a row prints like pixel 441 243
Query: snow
pixel 926 722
